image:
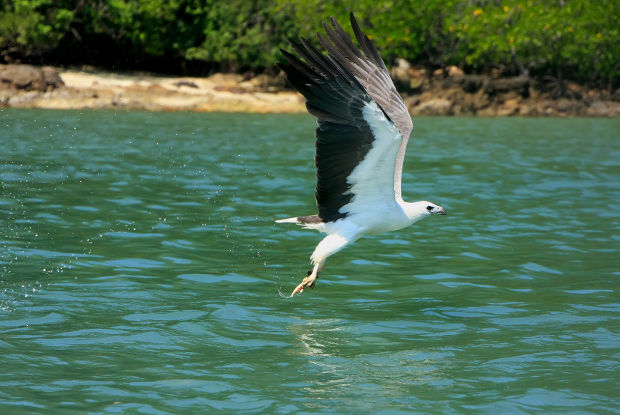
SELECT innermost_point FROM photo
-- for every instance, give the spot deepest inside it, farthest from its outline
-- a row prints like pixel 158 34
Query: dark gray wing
pixel 369 69
pixel 344 137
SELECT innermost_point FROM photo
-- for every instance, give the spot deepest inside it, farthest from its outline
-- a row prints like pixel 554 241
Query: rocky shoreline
pixel 451 93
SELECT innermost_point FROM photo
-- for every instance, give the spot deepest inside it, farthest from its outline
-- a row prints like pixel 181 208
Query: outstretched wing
pixel 357 143
pixel 369 69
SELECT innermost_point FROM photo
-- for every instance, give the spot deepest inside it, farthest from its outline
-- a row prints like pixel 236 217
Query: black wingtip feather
pixel 366 44
pixel 337 98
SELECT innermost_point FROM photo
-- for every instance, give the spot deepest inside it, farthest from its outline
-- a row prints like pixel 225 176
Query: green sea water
pixel 140 269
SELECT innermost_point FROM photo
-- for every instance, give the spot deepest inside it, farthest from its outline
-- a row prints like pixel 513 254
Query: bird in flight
pixel 361 138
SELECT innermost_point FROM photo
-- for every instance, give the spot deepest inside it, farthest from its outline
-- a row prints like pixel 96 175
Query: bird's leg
pixel 310 280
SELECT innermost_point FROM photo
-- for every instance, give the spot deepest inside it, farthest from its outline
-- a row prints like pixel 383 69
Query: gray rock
pixel 51 78
pixel 30 78
pixel 437 106
pixel 518 84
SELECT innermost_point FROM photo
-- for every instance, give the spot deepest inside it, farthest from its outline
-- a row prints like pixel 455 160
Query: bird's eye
pixel 429 208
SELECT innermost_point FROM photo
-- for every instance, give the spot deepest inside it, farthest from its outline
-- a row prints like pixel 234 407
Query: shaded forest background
pixel 553 41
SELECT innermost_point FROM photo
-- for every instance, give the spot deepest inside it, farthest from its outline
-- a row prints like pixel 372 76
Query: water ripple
pixel 140 269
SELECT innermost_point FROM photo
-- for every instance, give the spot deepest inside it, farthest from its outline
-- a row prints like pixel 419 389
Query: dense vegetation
pixel 553 40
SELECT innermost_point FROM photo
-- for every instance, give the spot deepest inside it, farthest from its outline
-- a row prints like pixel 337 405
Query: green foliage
pixel 411 29
pixel 577 38
pixel 564 39
pixel 152 27
pixel 32 26
pixel 242 33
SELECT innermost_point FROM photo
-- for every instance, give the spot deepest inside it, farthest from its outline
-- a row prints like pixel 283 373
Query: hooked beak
pixel 440 211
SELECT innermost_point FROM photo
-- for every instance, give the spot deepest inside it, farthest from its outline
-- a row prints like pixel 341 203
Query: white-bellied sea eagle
pixel 362 133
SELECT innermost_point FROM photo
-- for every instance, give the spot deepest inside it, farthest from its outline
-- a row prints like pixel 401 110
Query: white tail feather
pixel 289 220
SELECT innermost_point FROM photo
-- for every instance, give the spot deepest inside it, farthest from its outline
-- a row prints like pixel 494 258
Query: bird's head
pixel 433 209
pixel 422 209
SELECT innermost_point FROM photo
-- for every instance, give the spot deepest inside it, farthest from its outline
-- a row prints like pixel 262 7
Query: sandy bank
pixel 24 86
pixel 81 89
